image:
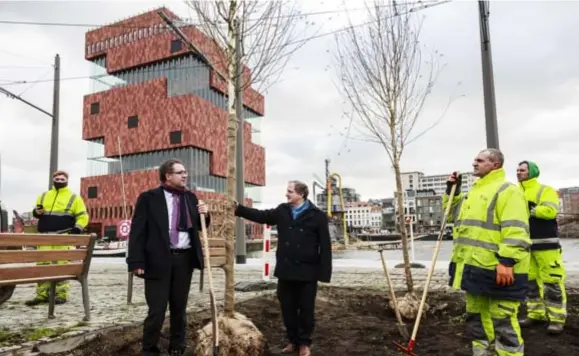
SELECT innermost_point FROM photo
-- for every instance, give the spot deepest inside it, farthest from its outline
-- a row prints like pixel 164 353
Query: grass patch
pixel 8 337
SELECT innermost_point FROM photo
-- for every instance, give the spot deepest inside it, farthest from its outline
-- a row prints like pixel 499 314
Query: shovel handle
pixel 210 279
pixel 434 258
pixel 391 289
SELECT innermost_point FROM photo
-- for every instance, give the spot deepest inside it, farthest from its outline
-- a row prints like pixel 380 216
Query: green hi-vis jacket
pixel 544 206
pixel 490 227
pixel 62 210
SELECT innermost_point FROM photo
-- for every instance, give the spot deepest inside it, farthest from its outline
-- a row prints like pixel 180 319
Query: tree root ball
pixel 409 305
pixel 237 336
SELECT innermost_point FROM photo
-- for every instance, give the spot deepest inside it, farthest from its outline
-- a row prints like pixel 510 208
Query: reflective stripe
pixel 70 202
pixel 539 193
pixel 80 214
pixel 517 242
pixel 61 214
pixel 547 240
pixel 475 243
pixel 463 240
pixel 547 203
pixel 506 337
pixel 489 223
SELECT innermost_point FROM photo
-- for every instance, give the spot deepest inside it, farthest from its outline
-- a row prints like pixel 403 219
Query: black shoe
pixel 527 322
pixel 59 301
pixel 177 352
pixel 35 301
pixel 555 328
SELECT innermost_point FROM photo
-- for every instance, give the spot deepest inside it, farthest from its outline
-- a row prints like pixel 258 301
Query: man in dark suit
pixel 164 248
pixel 303 257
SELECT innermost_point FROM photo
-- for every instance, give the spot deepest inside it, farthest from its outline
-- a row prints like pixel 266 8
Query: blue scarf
pixel 300 209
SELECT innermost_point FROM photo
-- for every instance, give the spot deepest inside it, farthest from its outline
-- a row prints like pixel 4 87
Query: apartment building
pixel 437 182
pixel 569 200
pixel 363 215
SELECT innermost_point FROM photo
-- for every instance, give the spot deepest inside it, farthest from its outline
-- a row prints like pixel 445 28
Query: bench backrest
pixel 216 251
pixel 11 252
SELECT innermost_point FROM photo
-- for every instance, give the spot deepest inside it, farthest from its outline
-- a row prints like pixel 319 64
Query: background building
pixel 436 182
pixel 153 100
pixel 363 215
pixel 569 200
pixel 429 211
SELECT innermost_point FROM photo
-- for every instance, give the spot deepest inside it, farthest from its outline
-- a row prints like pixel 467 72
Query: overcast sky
pixel 536 67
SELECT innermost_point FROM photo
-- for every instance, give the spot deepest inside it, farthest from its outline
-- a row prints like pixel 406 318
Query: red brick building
pixel 160 101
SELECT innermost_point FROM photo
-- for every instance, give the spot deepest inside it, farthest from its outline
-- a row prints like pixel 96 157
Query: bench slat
pixel 216 251
pixel 13 240
pixel 217 261
pixel 216 243
pixel 43 271
pixel 12 256
pixel 35 280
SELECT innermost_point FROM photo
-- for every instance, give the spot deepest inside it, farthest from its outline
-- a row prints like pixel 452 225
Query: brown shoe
pixel 289 349
pixel 305 350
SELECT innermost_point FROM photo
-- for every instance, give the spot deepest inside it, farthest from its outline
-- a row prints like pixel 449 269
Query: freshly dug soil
pixel 358 322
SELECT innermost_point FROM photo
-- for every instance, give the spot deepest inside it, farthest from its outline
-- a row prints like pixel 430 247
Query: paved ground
pixel 108 291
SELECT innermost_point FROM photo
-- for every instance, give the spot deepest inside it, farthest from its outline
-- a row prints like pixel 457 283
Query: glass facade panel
pixel 185 75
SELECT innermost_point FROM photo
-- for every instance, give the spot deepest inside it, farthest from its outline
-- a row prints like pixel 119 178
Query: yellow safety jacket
pixel 62 210
pixel 544 206
pixel 490 227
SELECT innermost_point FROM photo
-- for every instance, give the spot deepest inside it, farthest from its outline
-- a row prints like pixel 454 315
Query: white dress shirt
pixel 184 241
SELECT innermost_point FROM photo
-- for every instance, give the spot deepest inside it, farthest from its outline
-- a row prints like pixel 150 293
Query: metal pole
pixel 240 247
pixel 55 121
pixel 130 276
pixel 488 78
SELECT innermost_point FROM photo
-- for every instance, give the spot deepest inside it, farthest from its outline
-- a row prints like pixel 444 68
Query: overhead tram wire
pixel 421 7
pixel 298 15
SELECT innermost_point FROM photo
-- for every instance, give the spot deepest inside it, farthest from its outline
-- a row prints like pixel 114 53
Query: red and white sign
pixel 266 253
pixel 124 229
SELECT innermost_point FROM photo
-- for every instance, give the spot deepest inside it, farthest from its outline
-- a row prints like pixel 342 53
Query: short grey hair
pixel 301 188
pixel 495 155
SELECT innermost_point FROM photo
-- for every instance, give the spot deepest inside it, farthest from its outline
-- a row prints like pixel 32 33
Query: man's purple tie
pixel 175 221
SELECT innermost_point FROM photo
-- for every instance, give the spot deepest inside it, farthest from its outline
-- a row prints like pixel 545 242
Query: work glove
pixel 532 208
pixel 505 276
pixel 454 178
pixel 75 231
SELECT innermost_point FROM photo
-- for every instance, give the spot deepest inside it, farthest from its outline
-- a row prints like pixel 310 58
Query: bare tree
pixel 267 33
pixel 386 79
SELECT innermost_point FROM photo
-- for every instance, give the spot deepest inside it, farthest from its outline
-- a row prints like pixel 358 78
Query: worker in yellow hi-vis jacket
pixel 56 210
pixel 490 255
pixel 546 297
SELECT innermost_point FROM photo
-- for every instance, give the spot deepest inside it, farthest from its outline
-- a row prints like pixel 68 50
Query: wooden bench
pixel 77 266
pixel 218 257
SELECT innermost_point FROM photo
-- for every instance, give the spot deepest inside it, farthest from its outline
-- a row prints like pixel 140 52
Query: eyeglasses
pixel 181 173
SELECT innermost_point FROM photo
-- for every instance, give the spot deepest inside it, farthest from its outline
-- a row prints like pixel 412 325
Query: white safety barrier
pixel 266 253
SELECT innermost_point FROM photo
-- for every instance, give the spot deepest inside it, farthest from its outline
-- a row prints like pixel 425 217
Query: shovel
pixel 400 325
pixel 211 291
pixel 408 350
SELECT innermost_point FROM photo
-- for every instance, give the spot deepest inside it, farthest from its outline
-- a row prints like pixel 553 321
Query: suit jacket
pixel 149 241
pixel 304 248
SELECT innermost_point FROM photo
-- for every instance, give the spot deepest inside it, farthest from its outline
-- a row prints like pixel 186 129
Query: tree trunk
pixel 229 228
pixel 403 233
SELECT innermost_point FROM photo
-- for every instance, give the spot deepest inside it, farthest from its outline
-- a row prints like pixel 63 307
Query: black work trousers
pixel 298 303
pixel 174 291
